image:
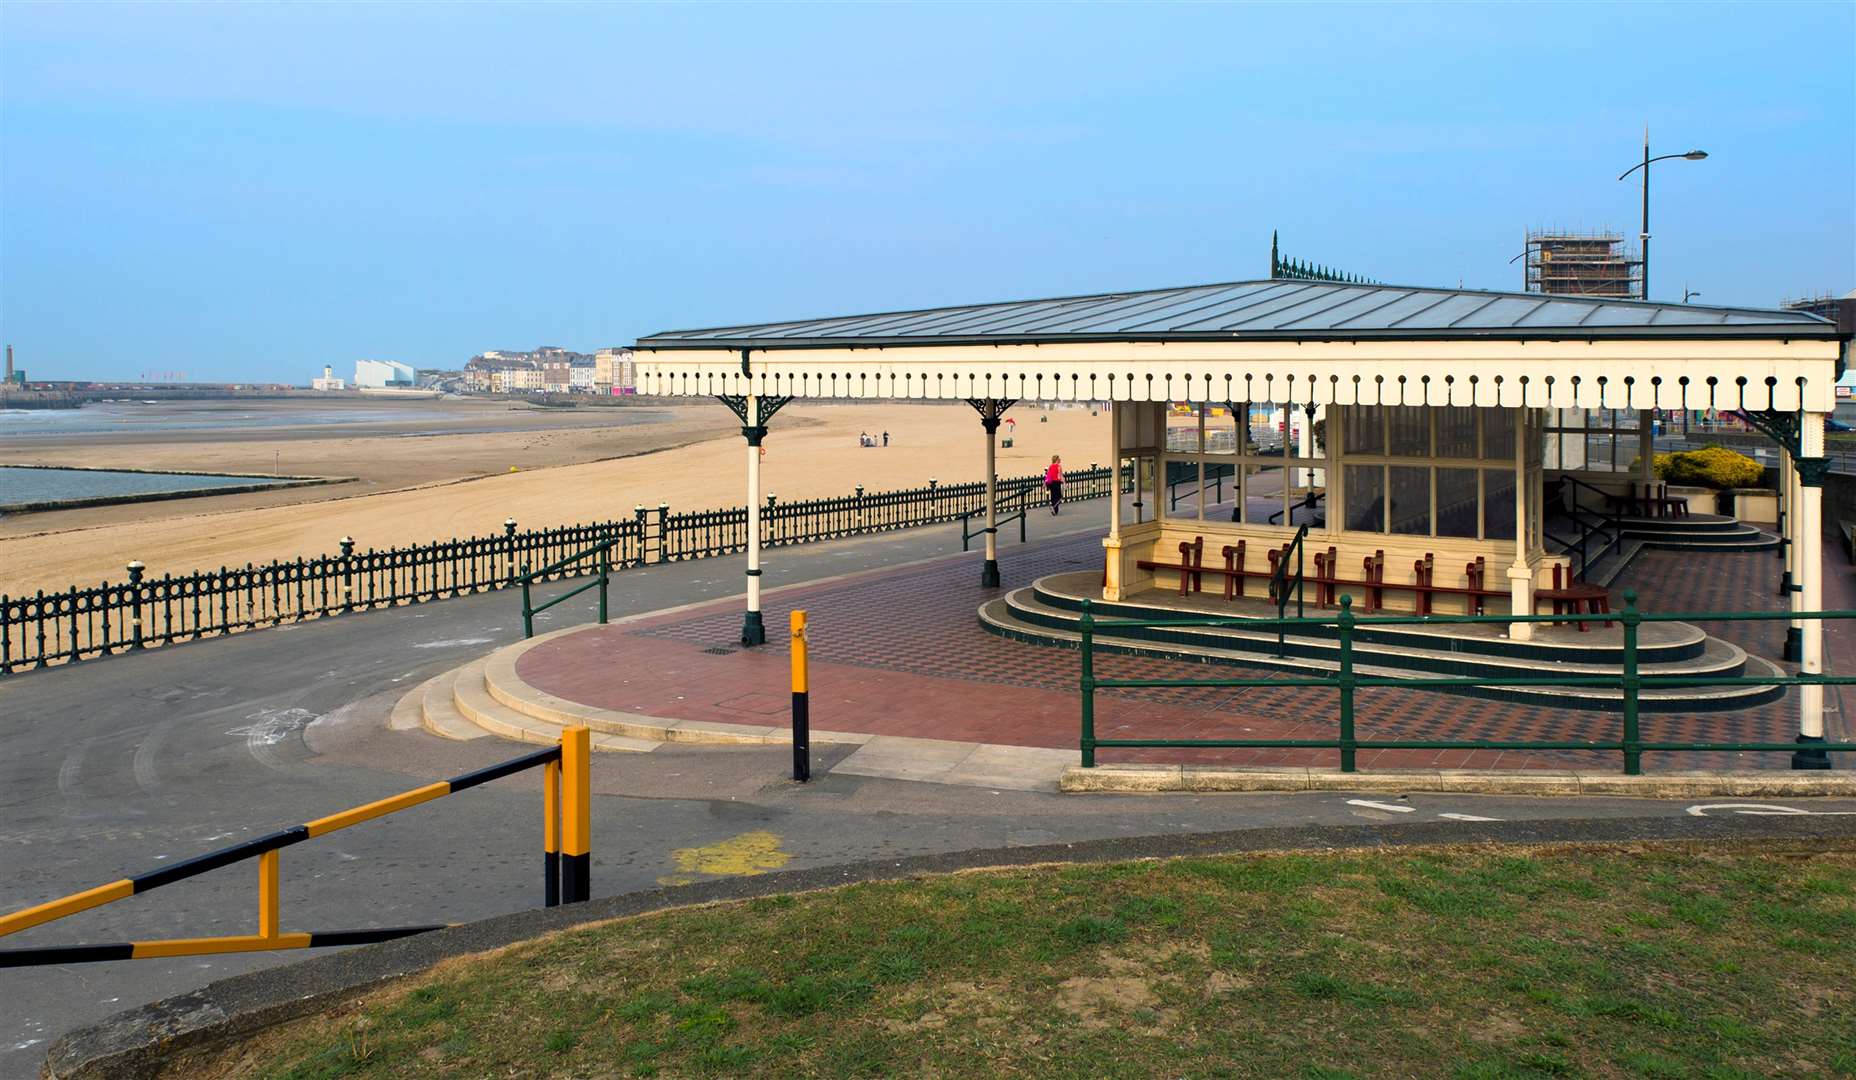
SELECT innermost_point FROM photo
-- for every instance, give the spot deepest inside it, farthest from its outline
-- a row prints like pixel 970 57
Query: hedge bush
pixel 1712 467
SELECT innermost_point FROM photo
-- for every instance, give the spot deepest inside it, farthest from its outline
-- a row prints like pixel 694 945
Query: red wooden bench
pixel 1192 570
pixel 1575 598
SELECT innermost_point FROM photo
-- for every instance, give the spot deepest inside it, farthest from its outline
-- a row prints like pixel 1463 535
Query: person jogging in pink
pixel 1053 479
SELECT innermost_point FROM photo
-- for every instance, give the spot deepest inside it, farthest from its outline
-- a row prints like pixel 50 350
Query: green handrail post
pixel 605 573
pixel 1087 625
pixel 528 611
pixel 1633 738
pixel 1344 680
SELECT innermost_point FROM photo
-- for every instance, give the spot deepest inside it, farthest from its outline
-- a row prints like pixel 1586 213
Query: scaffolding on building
pixel 1582 264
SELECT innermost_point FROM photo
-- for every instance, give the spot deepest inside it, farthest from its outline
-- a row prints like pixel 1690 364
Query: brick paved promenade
pixel 901 652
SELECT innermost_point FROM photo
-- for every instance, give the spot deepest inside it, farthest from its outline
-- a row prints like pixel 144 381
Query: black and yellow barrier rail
pixel 566 843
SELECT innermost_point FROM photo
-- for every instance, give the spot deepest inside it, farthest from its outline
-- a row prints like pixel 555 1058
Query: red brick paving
pixel 902 653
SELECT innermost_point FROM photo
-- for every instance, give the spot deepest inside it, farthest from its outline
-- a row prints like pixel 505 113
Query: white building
pixel 328 381
pixel 383 373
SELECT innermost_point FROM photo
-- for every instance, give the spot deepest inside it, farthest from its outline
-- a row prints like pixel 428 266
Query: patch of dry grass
pixel 1669 962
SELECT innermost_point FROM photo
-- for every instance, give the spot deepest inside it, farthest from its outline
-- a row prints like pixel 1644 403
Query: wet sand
pixel 413 486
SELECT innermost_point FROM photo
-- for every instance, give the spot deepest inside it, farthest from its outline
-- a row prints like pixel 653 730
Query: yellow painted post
pixel 268 888
pixel 802 713
pixel 576 815
pixel 551 834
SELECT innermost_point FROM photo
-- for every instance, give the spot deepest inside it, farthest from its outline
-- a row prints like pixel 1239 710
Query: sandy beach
pixel 417 480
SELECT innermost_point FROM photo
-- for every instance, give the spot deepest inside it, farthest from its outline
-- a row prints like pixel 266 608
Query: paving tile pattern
pixel 902 652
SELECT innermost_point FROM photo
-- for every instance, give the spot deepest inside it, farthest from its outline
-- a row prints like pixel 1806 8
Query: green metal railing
pixel 1022 501
pixel 601 576
pixel 1630 681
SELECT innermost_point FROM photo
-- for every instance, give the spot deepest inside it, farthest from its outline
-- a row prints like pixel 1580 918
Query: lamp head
pixel 1696 155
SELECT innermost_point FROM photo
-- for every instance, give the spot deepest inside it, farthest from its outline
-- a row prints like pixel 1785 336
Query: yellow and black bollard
pixel 802 751
pixel 551 834
pixel 576 816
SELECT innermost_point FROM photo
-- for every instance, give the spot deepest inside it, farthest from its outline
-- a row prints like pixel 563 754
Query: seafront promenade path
pixel 113 767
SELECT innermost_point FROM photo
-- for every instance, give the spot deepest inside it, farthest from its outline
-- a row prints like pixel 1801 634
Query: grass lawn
pixel 1459 962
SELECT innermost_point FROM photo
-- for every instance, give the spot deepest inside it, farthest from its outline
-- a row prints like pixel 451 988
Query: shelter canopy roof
pixel 1274 309
pixel 1287 340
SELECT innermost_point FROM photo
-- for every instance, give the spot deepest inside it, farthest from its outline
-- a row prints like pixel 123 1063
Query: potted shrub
pixel 1713 467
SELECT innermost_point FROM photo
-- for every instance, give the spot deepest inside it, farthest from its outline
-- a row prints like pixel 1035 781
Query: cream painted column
pixel 1114 470
pixel 1520 572
pixel 1808 573
pixel 753 629
pixel 1160 492
pixel 1111 544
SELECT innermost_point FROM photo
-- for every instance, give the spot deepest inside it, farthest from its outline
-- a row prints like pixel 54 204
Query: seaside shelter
pixel 1435 424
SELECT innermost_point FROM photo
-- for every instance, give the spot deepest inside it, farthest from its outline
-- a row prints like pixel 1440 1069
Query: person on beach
pixel 1053 479
pixel 886 438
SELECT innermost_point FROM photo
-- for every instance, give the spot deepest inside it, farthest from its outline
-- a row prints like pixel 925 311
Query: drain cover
pixel 721 650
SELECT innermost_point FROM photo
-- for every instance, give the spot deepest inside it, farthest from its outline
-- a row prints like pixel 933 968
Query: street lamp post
pixel 1643 236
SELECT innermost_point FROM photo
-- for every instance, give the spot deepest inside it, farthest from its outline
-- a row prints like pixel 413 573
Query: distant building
pixel 613 371
pixel 580 378
pixel 548 368
pixel 1825 306
pixel 1582 264
pixel 328 381
pixel 383 373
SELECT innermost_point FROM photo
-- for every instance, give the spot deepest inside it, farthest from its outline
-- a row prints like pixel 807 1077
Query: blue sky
pixel 250 191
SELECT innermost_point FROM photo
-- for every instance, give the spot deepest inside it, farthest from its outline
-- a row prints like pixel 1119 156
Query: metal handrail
pixel 1024 506
pixel 1630 681
pixel 1279 583
pixel 1586 528
pixel 565 866
pixel 529 611
pixel 1309 500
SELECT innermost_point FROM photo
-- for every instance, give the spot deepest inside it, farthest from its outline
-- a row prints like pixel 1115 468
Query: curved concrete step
pixel 439 711
pixel 474 702
pixel 510 690
pixel 488 697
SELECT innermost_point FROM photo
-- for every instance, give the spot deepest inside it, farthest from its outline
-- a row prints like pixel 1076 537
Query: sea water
pixel 19 487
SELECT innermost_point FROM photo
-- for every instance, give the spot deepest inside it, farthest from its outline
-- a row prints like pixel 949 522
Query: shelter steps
pixel 1048 613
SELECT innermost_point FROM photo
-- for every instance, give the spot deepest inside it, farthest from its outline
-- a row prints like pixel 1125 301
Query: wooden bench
pixel 1575 598
pixel 1192 569
pixel 1327 580
pixel 1654 502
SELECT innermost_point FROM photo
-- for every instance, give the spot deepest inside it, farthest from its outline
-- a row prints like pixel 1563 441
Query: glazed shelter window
pixel 1250 464
pixel 1419 471
pixel 1594 440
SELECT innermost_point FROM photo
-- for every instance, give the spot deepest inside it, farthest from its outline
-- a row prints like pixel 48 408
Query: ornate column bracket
pixel 753 430
pixel 1784 428
pixel 991 410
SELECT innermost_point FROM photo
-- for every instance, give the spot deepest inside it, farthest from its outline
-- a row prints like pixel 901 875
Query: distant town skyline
pixel 246 192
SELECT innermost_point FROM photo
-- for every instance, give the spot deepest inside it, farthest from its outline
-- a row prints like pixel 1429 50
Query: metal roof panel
pixel 1270 307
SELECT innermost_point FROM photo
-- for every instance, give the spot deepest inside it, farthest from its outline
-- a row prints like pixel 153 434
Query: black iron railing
pixel 84 622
